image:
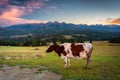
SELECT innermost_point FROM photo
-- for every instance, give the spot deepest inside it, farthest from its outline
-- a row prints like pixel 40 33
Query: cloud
pixel 27 3
pixel 13 16
pixel 113 21
pixel 11 12
pixel 34 4
pixel 4 2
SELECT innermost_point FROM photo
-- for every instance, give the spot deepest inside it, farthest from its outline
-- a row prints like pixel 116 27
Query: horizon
pixel 61 23
pixel 89 12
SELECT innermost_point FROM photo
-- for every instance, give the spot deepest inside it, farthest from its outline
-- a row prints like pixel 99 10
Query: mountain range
pixel 51 28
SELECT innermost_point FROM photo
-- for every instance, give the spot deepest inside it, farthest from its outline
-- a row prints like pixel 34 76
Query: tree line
pixel 36 41
pixel 115 40
pixel 46 40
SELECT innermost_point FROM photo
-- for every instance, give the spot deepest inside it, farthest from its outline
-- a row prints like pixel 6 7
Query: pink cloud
pixel 113 21
pixel 7 22
pixel 12 14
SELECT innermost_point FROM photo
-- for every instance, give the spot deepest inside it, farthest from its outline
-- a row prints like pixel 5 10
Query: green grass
pixel 105 62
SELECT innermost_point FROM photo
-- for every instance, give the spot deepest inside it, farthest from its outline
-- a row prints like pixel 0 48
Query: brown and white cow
pixel 72 50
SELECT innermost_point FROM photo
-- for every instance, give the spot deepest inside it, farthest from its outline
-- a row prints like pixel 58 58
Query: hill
pixel 54 28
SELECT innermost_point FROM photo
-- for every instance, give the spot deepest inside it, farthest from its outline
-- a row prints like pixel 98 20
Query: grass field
pixel 105 62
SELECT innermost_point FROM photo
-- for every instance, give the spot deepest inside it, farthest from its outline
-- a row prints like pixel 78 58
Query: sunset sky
pixel 70 11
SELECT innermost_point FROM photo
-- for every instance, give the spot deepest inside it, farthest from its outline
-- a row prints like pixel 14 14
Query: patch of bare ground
pixel 16 73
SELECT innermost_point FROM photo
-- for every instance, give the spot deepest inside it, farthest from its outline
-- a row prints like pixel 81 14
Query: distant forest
pixel 38 41
pixel 46 40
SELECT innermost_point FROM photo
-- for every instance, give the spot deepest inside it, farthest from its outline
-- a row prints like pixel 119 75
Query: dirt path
pixel 15 73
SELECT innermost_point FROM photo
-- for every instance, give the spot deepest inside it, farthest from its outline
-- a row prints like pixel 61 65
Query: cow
pixel 72 50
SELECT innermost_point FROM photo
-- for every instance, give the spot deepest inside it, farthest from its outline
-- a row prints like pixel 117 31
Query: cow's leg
pixel 68 62
pixel 88 60
pixel 65 61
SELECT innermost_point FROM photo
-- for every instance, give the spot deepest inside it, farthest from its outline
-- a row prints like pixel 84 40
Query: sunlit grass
pixel 21 49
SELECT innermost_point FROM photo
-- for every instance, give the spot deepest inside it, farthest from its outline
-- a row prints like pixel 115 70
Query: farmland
pixel 105 61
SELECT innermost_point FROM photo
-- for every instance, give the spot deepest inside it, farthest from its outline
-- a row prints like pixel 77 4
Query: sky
pixel 89 12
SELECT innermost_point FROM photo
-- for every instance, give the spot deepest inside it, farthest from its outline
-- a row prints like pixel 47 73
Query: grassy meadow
pixel 105 61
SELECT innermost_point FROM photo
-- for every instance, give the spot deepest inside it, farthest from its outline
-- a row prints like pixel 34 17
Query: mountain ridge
pixel 63 25
pixel 94 31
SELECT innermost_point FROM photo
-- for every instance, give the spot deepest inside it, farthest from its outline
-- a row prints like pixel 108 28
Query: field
pixel 105 62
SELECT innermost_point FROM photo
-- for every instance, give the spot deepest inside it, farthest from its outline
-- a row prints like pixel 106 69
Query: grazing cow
pixel 72 50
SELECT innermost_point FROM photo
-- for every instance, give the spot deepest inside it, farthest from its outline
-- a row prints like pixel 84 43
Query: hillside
pixel 53 28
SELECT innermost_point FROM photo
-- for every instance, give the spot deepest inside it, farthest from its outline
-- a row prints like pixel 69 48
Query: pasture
pixel 105 62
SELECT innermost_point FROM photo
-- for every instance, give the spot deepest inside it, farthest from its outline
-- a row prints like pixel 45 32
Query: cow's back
pixel 68 48
pixel 88 46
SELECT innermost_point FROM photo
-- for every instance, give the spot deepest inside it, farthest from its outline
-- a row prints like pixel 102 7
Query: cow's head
pixel 50 48
pixel 57 48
